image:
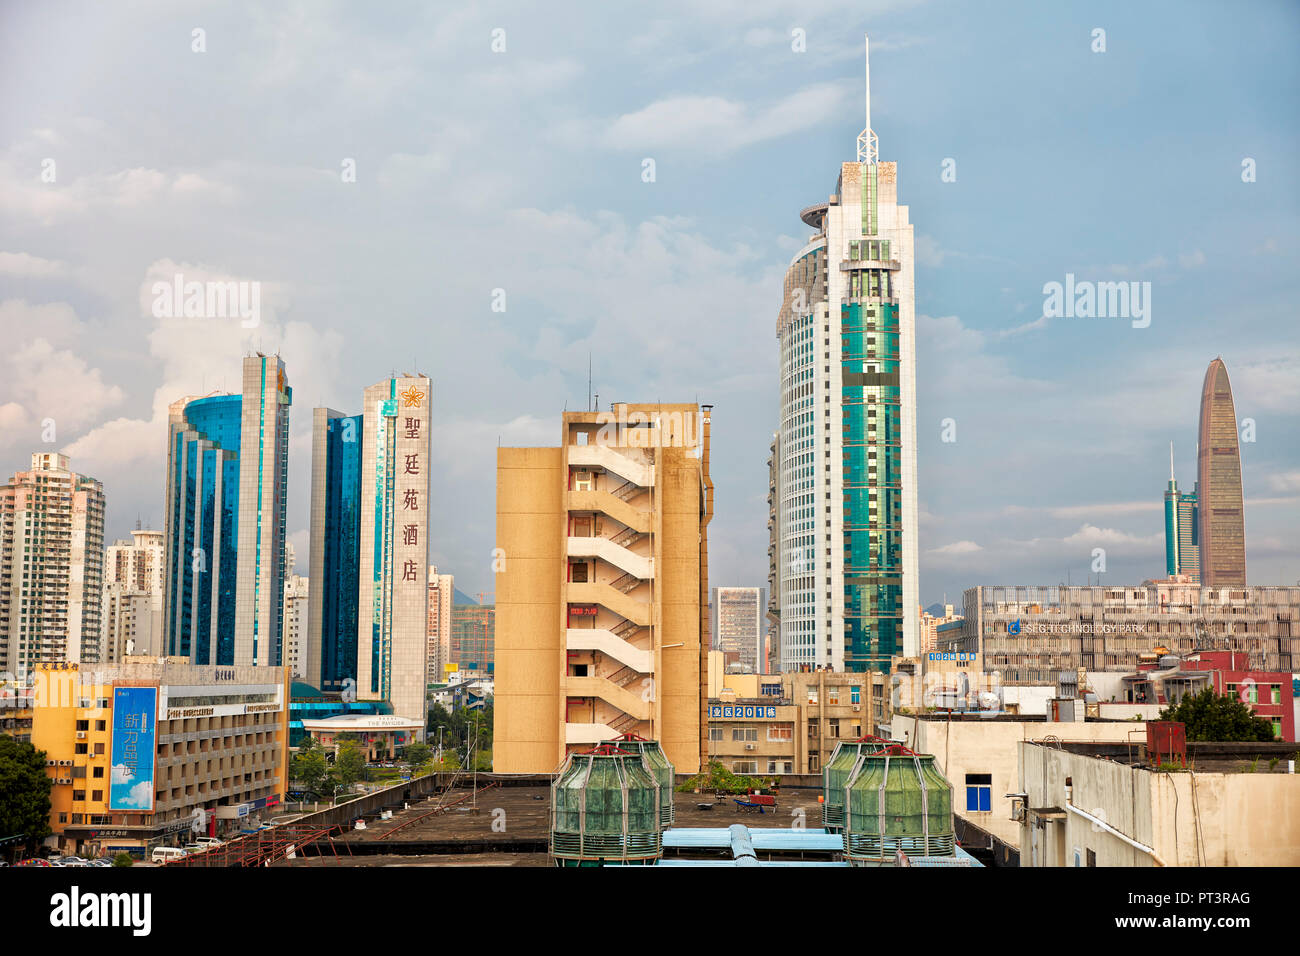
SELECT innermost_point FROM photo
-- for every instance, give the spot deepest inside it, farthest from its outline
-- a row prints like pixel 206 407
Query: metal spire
pixel 868 146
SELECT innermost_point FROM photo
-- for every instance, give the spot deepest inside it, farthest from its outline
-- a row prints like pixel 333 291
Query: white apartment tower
pixel 441 592
pixel 846 450
pixel 51 565
pixel 132 611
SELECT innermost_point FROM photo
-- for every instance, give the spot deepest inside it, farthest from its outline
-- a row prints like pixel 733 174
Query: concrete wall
pixel 1188 819
pixel 528 712
pixel 989 746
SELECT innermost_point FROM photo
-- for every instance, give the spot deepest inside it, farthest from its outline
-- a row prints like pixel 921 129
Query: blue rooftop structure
pixel 745 844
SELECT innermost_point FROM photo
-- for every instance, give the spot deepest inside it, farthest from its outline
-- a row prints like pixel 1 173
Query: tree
pixel 1210 716
pixel 123 859
pixel 24 791
pixel 349 764
pixel 417 754
pixel 308 766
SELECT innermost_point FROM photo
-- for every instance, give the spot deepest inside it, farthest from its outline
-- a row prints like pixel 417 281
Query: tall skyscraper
pixel 297 623
pixel 473 641
pixel 1182 537
pixel 392 603
pixel 602 587
pixel 227 475
pixel 51 565
pixel 132 610
pixel 847 442
pixel 335 553
pixel 1218 485
pixel 739 625
pixel 442 587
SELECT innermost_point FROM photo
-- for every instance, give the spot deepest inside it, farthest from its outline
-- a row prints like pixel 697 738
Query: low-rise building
pixel 1075 808
pixel 150 751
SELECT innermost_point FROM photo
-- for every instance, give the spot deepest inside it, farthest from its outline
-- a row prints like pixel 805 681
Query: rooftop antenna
pixel 589 408
pixel 1171 464
pixel 868 145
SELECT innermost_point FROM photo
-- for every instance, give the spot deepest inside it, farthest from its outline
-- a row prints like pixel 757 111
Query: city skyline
pixel 1046 406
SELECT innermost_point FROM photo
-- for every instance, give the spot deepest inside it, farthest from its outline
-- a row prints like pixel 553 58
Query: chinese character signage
pixel 745 712
pixel 134 745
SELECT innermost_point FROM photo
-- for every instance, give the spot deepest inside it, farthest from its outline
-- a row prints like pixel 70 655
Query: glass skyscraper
pixel 335 549
pixel 1182 536
pixel 369 546
pixel 846 497
pixel 227 472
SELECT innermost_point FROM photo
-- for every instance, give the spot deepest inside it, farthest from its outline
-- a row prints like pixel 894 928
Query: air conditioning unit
pixel 67 780
pixel 856 708
pixel 749 746
pixel 81 735
pixel 51 763
pixel 65 763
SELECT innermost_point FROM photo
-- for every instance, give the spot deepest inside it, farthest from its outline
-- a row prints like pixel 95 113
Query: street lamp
pixel 334 802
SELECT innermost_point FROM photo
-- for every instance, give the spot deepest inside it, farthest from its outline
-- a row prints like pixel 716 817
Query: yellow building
pixel 154 751
pixel 602 587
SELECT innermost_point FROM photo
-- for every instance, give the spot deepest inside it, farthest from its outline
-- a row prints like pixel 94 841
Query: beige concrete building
pixel 51 565
pixel 977 753
pixel 602 586
pixel 132 606
pixel 1080 810
pixel 762 724
pixel 442 588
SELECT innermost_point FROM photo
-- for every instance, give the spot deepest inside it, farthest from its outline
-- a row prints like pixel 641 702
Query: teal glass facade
pixel 872 475
pixel 342 552
pixel 204 502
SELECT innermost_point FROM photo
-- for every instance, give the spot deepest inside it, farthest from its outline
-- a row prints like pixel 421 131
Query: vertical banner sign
pixel 134 745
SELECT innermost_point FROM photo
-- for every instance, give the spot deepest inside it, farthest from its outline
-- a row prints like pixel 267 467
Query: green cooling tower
pixel 657 761
pixel 605 810
pixel 836 774
pixel 896 800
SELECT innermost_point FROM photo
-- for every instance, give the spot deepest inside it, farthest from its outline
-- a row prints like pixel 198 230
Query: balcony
pixel 613 460
pixel 627 700
pixel 606 502
pixel 635 564
pixel 609 644
pixel 638 612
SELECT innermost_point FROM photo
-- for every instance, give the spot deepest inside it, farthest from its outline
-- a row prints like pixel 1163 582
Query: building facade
pixel 472 642
pixel 602 586
pixel 227 478
pixel 51 565
pixel 847 440
pixel 1031 634
pixel 297 624
pixel 1182 532
pixel 442 588
pixel 393 596
pixel 739 626
pixel 335 551
pixel 132 608
pixel 1221 507
pixel 152 751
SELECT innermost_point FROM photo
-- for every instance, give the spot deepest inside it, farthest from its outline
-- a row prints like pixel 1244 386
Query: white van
pixel 208 842
pixel 167 854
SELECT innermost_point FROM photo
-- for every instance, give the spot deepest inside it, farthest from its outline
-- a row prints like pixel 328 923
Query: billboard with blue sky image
pixel 134 733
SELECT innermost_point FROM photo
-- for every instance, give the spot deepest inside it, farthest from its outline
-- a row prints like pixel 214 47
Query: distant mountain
pixel 936 610
pixel 460 597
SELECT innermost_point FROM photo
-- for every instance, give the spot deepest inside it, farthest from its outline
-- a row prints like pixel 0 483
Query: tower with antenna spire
pixel 844 586
pixel 1182 537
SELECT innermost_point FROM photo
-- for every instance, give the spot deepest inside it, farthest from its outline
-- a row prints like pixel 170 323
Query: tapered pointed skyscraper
pixel 846 496
pixel 1218 459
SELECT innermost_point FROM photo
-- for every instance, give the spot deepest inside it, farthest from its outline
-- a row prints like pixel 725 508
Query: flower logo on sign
pixel 413 397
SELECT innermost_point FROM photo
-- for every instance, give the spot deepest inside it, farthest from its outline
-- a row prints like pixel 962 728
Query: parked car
pixel 75 861
pixel 101 862
pixel 166 854
pixel 34 861
pixel 208 841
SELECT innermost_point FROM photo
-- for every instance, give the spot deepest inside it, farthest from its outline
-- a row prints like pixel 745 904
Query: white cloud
pixel 716 124
pixel 26 266
pixel 957 547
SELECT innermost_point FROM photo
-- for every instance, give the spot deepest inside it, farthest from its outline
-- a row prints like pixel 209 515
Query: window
pixel 715 732
pixel 979 792
pixel 744 733
pixel 771 690
pixel 1092 857
pixel 97 772
pixel 78 795
pixel 832 695
pixel 97 795
pixel 99 749
pixel 780 732
pixel 812 695
pixel 1277 727
pixel 812 729
pixel 1277 694
pixel 578 572
pixel 744 766
pixel 855 694
pixel 834 726
pixel 812 763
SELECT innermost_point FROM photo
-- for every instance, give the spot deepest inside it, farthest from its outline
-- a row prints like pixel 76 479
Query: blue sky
pixel 521 170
